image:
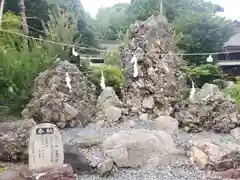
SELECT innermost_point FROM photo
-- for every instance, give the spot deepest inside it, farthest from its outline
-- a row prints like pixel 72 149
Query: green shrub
pixel 220 83
pixel 113 77
pixel 19 65
pixel 17 72
pixel 112 57
pixel 206 73
pixel 235 94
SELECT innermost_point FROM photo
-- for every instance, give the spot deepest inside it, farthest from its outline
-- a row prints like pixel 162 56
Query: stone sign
pixel 45 148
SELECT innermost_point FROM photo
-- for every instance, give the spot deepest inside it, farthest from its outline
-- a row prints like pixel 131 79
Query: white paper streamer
pixel 210 59
pixel 102 81
pixel 10 89
pixel 135 66
pixel 205 98
pixel 192 92
pixel 68 82
pixel 166 68
pixel 74 52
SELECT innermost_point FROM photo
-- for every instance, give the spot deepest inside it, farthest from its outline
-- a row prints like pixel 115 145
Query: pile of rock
pixel 14 143
pixel 210 109
pixel 55 102
pixel 160 79
pixel 208 154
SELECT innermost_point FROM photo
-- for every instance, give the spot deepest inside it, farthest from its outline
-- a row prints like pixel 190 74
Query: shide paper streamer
pixel 192 92
pixel 102 81
pixel 210 59
pixel 74 53
pixel 68 82
pixel 135 66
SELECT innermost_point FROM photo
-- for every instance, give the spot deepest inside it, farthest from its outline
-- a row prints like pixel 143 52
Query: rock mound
pixel 14 144
pixel 210 109
pixel 215 156
pixel 54 102
pixel 160 79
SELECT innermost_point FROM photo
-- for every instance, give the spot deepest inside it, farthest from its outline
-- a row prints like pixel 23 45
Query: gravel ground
pixel 178 167
pixel 179 170
pixel 165 173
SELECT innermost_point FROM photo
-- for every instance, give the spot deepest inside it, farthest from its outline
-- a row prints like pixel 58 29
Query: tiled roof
pixel 233 40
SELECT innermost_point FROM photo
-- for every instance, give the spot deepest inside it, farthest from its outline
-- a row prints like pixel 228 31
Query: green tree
pixel 201 32
pixel 36 11
pixel 143 9
pixel 81 17
pixel 111 22
pixel 20 65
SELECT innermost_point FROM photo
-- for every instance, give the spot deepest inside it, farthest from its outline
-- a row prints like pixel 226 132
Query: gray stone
pixel 166 123
pixel 71 112
pixel 76 159
pixel 144 116
pixel 133 148
pixel 109 106
pixel 152 163
pixel 148 102
pixel 105 167
pixel 108 96
pixel 87 142
pixel 208 90
pixel 230 84
pixel 45 148
pixel 236 133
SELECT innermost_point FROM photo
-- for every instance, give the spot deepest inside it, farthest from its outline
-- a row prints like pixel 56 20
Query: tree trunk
pixel 23 17
pixel 1 11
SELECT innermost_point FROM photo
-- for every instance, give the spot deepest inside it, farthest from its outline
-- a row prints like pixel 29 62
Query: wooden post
pixel 1 11
pixel 23 17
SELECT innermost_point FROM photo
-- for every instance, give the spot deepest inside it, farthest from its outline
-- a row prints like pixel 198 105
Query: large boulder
pixel 54 102
pixel 160 79
pixel 140 147
pixel 210 109
pixel 108 109
pixel 14 144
